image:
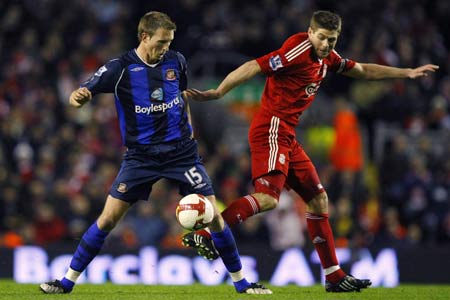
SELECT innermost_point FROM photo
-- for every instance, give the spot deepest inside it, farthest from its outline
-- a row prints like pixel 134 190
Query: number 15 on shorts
pixel 193 176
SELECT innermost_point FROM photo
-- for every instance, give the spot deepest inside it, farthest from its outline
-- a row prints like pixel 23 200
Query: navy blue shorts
pixel 144 165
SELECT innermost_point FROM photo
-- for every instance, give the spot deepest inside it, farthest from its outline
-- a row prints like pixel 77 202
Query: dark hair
pixel 153 20
pixel 327 20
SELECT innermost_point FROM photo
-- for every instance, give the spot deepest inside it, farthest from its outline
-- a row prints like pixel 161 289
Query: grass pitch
pixel 12 290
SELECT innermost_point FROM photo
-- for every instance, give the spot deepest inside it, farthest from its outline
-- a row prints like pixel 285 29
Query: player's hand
pixel 79 97
pixel 422 71
pixel 203 95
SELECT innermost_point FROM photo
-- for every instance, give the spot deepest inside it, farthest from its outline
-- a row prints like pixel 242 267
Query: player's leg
pixel 270 153
pixel 221 243
pixel 189 171
pixel 266 196
pixel 321 234
pixel 270 145
pixel 270 163
pixel 89 246
pixel 226 247
pixel 134 181
pixel 267 193
pixel 303 178
pixel 268 169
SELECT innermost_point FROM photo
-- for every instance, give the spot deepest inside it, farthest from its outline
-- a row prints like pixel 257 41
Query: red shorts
pixel 274 148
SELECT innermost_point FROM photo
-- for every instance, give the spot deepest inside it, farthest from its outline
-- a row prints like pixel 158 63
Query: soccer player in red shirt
pixel 294 74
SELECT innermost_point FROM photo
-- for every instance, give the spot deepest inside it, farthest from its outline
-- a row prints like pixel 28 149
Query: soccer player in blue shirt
pixel 148 84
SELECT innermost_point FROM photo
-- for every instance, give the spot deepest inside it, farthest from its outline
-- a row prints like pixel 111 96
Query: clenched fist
pixel 79 97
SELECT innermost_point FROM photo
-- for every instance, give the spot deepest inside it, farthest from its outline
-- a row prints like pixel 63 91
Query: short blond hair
pixel 153 20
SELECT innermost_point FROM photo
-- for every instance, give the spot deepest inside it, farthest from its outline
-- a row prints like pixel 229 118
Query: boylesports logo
pixel 156 107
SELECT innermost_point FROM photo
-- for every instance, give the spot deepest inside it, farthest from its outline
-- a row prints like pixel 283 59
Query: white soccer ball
pixel 194 212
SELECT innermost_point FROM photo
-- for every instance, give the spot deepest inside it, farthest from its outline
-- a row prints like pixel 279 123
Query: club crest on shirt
pixel 170 74
pixel 122 188
pixel 157 94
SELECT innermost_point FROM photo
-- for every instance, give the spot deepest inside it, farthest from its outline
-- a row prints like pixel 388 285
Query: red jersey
pixel 294 74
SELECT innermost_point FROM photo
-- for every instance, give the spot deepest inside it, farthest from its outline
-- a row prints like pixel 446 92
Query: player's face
pixel 323 40
pixel 157 44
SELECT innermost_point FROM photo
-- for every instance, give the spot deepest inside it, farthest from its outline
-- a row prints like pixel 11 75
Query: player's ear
pixel 144 36
pixel 310 31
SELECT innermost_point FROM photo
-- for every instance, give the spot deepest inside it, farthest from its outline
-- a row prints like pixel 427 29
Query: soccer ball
pixel 194 212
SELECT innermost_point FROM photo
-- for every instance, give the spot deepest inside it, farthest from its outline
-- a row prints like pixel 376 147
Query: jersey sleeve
pixel 105 79
pixel 183 71
pixel 339 64
pixel 282 58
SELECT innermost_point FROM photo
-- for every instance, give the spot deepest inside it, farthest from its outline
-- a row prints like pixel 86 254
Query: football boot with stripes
pixel 347 284
pixel 255 289
pixel 53 287
pixel 203 246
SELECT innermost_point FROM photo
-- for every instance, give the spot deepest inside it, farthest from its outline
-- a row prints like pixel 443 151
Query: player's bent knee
pixel 318 204
pixel 268 189
pixel 217 224
pixel 113 211
pixel 106 223
pixel 265 201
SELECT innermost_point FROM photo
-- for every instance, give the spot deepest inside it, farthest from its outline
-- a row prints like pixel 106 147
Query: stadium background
pixel 393 191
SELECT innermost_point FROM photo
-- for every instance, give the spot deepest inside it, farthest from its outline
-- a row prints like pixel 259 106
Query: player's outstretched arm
pixel 233 79
pixel 79 97
pixel 375 71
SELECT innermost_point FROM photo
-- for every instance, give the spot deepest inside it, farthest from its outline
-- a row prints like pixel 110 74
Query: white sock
pixel 237 276
pixel 72 275
pixel 331 269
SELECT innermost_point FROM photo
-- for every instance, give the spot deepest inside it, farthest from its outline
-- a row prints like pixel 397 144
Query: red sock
pixel 322 237
pixel 239 211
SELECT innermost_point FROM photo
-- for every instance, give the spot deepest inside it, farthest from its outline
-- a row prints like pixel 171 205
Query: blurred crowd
pixel 57 163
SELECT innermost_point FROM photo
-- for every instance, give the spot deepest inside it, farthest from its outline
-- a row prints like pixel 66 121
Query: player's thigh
pixel 302 175
pixel 135 179
pixel 267 158
pixel 192 178
pixel 187 169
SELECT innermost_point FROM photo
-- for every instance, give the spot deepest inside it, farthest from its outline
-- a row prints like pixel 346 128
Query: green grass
pixel 11 290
